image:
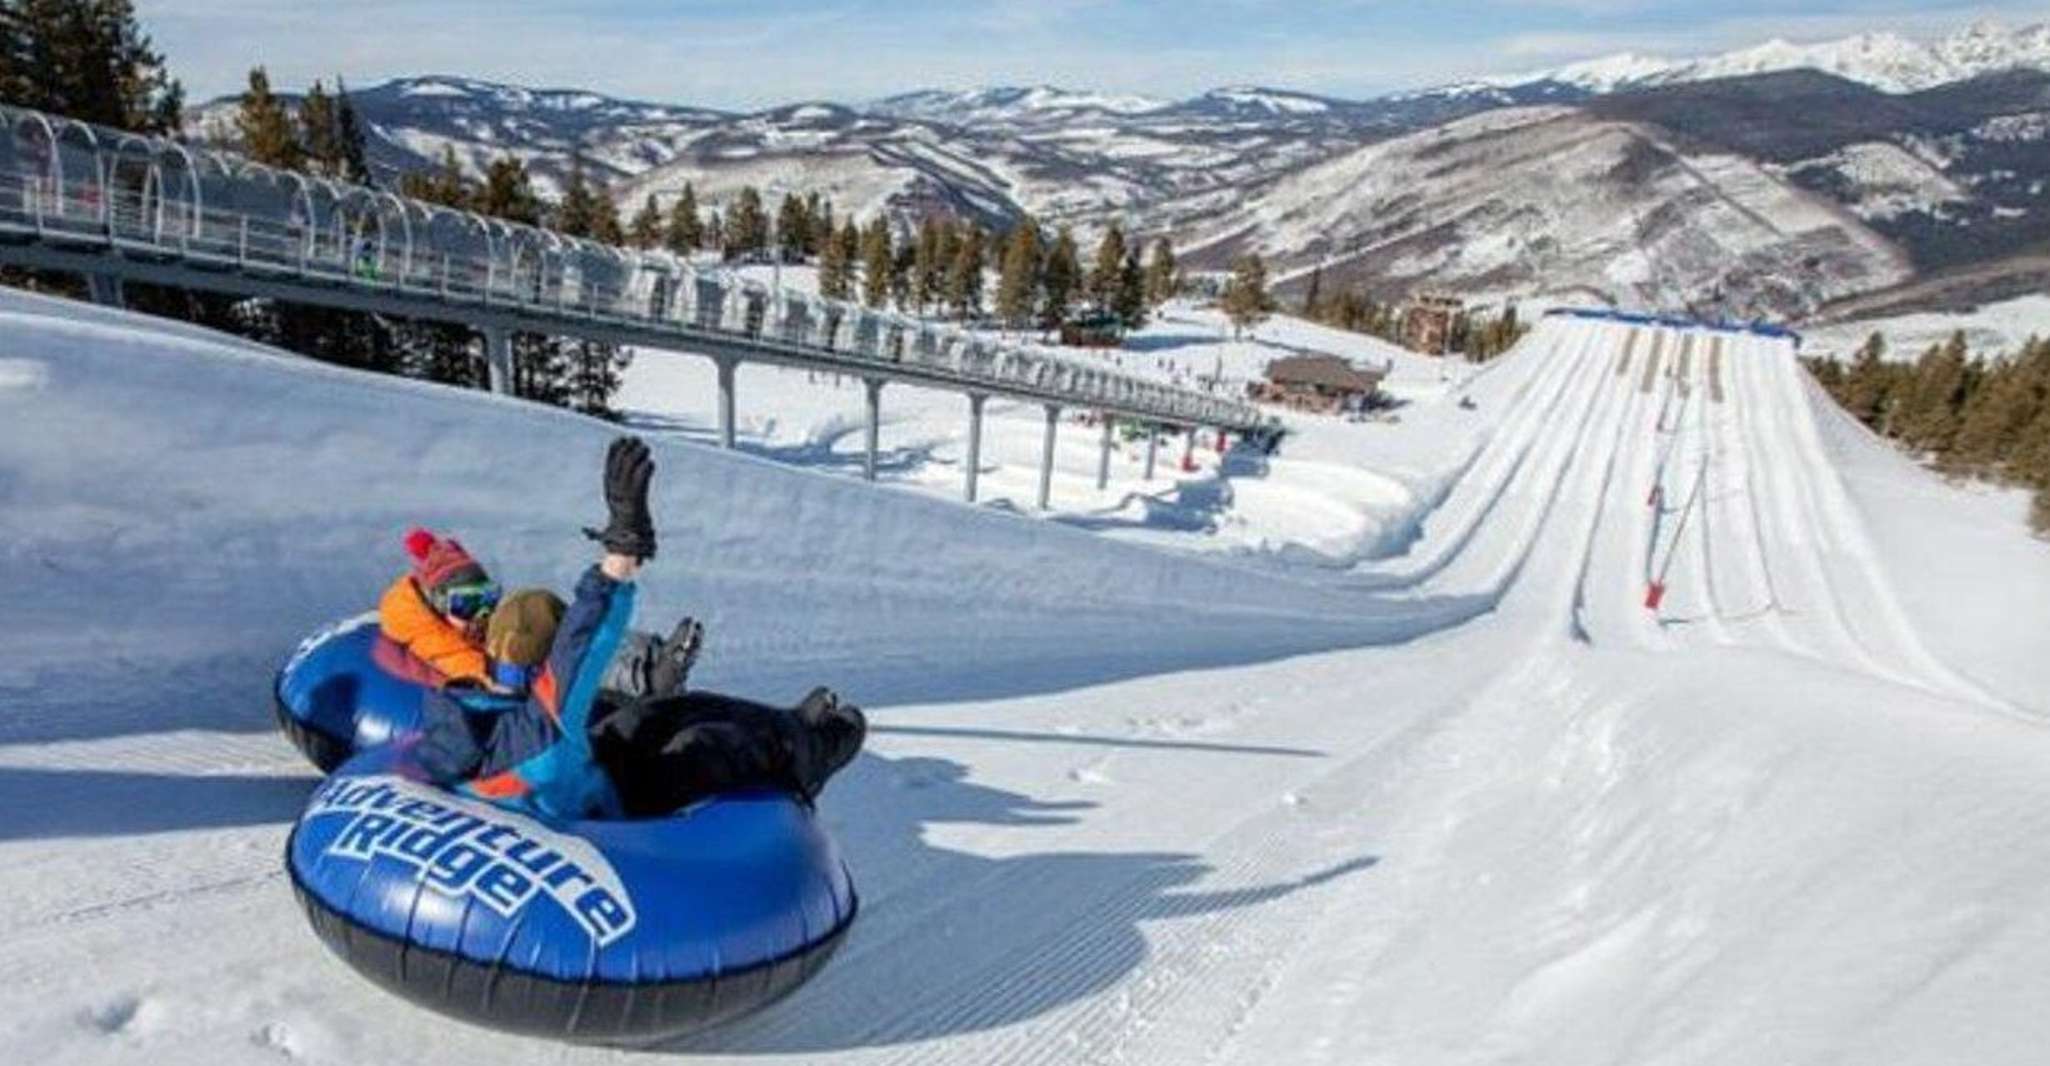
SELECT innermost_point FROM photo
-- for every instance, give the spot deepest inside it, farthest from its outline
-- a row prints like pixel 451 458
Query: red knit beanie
pixel 439 562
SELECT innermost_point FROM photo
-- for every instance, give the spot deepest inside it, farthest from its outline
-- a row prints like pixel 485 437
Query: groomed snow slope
pixel 1315 505
pixel 1508 816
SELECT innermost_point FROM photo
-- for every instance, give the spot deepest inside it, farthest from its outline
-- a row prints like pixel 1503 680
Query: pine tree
pixel 1018 275
pixel 836 266
pixel 1993 414
pixel 2029 464
pixel 965 274
pixel 901 262
pixel 1929 418
pixel 1867 382
pixel 319 133
pixel 1246 301
pixel 1060 281
pixel 1162 281
pixel 876 256
pixel 929 263
pixel 540 364
pixel 577 213
pixel 822 224
pixel 686 231
pixel 270 134
pixel 593 370
pixel 1130 304
pixel 89 60
pixel 264 128
pixel 2029 455
pixel 606 225
pixel 353 165
pixel 1313 300
pixel 1106 275
pixel 443 185
pixel 747 228
pixel 508 193
pixel 440 351
pixel 646 231
pixel 596 371
pixel 793 229
pixel 850 246
pixel 1460 333
pixel 587 209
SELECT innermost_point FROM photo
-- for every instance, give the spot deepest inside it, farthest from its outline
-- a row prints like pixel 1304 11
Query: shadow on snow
pixel 951 942
pixel 56 803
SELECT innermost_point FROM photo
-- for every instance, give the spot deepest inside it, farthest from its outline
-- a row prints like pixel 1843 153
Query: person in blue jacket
pixel 571 749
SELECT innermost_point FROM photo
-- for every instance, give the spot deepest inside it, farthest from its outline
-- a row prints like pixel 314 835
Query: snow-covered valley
pixel 1371 752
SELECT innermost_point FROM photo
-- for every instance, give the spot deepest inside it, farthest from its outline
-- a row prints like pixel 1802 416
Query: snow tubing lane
pixel 614 932
pixel 348 688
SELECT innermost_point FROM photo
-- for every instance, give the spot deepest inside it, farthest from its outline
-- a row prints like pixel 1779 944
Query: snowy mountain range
pixel 1929 154
pixel 1885 61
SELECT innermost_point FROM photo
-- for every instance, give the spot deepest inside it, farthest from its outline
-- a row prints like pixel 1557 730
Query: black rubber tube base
pixel 589 1012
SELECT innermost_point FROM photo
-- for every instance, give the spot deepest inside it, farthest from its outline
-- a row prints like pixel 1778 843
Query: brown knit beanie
pixel 522 629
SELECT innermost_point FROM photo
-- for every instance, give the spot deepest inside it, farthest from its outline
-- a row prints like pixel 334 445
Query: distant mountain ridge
pixel 1874 181
pixel 1888 62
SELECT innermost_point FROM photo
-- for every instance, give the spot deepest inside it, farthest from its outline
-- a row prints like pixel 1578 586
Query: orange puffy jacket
pixel 410 621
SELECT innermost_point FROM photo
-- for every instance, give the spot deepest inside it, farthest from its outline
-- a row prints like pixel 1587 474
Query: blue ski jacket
pixel 535 754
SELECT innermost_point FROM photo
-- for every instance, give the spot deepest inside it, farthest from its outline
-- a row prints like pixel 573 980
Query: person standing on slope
pixel 568 751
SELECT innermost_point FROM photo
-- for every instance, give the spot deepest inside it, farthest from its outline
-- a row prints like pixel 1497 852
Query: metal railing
pixel 198 218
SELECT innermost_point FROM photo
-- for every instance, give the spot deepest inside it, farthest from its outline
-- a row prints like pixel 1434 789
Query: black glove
pixel 629 530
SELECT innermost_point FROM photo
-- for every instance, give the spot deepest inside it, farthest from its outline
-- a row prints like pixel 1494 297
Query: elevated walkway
pixel 119 207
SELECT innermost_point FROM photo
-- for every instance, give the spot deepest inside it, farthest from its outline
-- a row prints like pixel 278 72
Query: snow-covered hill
pixel 1120 803
pixel 1553 202
pixel 411 122
pixel 1016 106
pixel 1955 175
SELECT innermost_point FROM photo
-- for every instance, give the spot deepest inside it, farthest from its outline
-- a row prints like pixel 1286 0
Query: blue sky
pixel 750 54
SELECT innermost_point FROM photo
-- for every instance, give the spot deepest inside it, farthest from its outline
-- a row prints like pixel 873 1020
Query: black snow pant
pixel 665 753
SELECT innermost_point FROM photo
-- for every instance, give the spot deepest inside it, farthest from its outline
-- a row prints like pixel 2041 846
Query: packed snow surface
pixel 1448 793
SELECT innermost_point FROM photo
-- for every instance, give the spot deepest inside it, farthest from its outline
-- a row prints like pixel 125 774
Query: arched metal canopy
pixel 69 188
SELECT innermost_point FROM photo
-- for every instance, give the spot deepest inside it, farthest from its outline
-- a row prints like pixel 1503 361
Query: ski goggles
pixel 467 602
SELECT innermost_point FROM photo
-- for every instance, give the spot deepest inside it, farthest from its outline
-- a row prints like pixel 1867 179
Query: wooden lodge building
pixel 1322 384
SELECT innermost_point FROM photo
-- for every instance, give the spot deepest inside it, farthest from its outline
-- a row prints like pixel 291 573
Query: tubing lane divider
pixel 1655 592
pixel 1651 366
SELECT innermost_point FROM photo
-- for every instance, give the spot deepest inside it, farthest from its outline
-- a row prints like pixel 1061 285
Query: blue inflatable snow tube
pixel 626 931
pixel 348 688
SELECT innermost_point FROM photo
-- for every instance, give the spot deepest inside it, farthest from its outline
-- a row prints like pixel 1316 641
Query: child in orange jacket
pixel 440 610
pixel 437 610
